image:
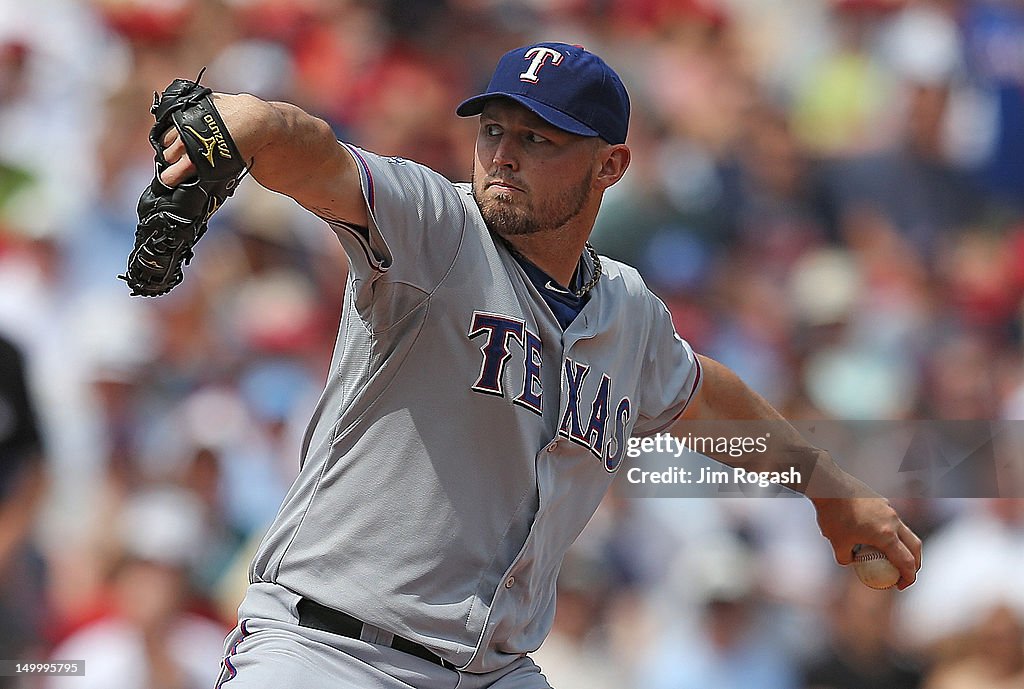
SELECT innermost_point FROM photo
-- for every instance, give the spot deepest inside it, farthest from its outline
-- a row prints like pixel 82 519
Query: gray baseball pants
pixel 269 650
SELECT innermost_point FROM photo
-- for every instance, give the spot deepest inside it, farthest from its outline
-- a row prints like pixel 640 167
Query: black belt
pixel 316 616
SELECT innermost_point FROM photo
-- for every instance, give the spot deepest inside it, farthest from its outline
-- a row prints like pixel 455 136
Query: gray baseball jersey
pixel 464 440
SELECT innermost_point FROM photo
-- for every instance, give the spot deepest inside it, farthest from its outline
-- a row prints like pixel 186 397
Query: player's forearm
pixel 290 151
pixel 849 513
pixel 288 145
pixel 728 407
pixel 297 154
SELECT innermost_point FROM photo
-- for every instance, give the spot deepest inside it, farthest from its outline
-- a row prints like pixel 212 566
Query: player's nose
pixel 505 155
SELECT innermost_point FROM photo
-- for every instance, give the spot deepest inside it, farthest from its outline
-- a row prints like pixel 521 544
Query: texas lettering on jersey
pixel 605 431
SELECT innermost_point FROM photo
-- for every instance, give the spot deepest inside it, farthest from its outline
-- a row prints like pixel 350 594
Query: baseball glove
pixel 172 219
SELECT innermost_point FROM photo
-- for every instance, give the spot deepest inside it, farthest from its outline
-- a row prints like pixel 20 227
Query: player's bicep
pixel 334 191
pixel 366 245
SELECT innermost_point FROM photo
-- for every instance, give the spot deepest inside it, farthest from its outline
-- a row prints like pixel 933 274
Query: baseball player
pixel 489 371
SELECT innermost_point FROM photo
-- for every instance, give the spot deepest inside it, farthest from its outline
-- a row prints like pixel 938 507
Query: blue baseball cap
pixel 566 85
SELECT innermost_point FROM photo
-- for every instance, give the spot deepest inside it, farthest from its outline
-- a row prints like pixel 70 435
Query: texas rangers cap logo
pixel 540 56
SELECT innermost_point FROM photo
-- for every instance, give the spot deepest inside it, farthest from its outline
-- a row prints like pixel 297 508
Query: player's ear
pixel 614 160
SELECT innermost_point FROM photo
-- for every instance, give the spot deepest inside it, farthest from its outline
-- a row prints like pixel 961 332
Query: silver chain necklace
pixel 593 255
pixel 597 273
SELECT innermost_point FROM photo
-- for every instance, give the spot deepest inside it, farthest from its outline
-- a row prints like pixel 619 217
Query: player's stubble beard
pixel 507 219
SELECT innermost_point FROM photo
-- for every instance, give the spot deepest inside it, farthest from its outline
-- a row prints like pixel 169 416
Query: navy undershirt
pixel 563 304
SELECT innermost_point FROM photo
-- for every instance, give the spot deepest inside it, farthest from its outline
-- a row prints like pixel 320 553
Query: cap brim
pixel 556 118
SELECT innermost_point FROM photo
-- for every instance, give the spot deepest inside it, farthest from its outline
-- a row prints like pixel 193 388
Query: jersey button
pixel 510 582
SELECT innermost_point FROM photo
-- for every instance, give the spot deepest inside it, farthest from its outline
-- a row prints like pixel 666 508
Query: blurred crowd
pixel 829 195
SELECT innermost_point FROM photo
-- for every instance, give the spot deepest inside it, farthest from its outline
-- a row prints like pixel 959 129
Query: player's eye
pixel 492 130
pixel 535 138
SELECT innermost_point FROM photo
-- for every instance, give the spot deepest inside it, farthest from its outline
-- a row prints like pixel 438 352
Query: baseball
pixel 873 568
